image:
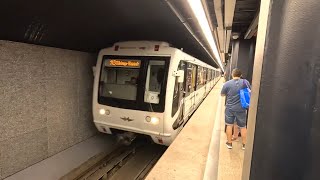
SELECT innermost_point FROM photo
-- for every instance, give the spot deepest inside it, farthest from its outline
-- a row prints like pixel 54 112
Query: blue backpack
pixel 245 94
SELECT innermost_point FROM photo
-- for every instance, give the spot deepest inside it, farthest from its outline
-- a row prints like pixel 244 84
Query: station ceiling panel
pixel 92 25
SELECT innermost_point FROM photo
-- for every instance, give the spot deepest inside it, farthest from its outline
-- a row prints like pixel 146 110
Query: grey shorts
pixel 239 117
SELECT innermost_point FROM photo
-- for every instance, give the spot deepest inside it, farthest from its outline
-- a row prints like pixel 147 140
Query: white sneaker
pixel 229 145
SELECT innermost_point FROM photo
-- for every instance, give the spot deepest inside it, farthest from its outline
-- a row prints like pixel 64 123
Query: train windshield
pixel 120 83
pixel 133 82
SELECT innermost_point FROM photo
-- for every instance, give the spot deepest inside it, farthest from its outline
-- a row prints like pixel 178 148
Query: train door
pixel 182 87
pixel 212 78
pixel 209 80
pixel 194 85
pixel 188 89
pixel 205 77
pixel 199 85
pixel 178 104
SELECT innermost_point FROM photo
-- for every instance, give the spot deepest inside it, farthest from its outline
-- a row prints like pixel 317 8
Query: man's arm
pixel 224 90
pixel 248 84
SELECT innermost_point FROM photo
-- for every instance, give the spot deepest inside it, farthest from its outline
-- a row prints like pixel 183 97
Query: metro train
pixel 148 88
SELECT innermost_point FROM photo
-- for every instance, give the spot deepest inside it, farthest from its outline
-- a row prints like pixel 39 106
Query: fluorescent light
pixel 198 11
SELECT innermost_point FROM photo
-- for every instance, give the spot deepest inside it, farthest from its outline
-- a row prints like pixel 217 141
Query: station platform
pixel 199 151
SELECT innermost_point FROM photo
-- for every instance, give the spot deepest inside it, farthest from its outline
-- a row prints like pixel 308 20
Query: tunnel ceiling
pixel 92 25
pixel 244 13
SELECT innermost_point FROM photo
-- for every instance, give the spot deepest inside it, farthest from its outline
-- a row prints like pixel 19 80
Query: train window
pixel 194 78
pixel 205 71
pixel 200 77
pixel 212 75
pixel 188 78
pixel 183 66
pixel 204 76
pixel 119 83
pixel 209 74
pixel 155 76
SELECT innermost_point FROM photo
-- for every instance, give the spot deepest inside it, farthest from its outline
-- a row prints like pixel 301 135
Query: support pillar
pixel 242 57
pixel 284 116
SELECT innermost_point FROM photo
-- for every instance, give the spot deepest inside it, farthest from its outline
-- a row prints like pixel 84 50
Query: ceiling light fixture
pixel 199 12
pixel 235 36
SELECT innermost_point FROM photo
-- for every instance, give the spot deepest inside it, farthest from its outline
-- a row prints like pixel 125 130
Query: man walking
pixel 234 111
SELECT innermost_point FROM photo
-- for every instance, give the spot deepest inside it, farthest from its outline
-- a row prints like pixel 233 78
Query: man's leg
pixel 229 133
pixel 235 131
pixel 241 121
pixel 229 120
pixel 244 135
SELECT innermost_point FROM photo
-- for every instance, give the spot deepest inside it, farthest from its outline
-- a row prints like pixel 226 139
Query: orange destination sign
pixel 123 63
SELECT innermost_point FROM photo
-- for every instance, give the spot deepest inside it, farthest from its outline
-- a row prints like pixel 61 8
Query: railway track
pixel 124 163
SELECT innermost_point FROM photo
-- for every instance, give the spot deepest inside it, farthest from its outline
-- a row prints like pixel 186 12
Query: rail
pixel 125 162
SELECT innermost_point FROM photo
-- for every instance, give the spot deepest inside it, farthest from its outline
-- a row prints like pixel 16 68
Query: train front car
pixel 130 90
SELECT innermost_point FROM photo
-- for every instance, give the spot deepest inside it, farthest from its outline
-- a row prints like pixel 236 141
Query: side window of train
pixel 213 74
pixel 200 77
pixel 183 66
pixel 189 79
pixel 194 78
pixel 178 90
pixel 205 75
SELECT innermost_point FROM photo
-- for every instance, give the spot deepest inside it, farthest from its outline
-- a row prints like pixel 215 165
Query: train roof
pixel 145 45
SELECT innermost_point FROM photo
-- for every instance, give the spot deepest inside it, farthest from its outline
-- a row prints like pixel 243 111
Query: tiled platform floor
pixel 230 160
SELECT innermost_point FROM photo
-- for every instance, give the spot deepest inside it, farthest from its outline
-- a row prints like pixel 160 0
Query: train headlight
pixel 148 118
pixel 154 120
pixel 102 111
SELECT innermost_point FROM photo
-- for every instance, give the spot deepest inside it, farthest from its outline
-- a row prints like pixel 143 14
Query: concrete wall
pixel 45 103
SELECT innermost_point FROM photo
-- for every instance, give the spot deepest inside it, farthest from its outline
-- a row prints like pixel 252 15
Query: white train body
pixel 148 88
